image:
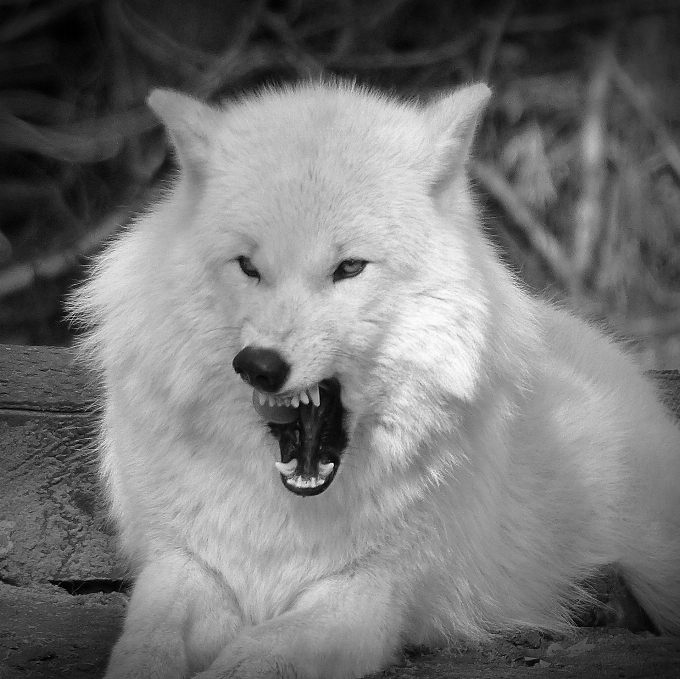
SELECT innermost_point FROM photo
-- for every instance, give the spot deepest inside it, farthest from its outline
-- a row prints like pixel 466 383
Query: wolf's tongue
pixel 277 414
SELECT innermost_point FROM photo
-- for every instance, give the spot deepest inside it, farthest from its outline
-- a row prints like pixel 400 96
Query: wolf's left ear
pixel 190 123
pixel 453 121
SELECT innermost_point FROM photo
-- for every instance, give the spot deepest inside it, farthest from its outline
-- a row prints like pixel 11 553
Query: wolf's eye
pixel 349 268
pixel 247 267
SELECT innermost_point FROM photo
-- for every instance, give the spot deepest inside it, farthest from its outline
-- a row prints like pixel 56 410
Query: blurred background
pixel 577 164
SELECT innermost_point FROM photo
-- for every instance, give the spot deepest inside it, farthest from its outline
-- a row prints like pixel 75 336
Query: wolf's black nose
pixel 262 368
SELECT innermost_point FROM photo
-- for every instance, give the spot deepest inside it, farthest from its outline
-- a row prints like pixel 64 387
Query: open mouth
pixel 309 428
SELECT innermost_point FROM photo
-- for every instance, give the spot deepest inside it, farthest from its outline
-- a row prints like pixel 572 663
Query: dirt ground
pixel 46 633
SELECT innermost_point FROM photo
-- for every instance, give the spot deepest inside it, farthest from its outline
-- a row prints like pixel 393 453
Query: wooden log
pixel 52 518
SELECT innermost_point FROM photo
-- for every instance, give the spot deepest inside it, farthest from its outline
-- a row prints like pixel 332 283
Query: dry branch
pixel 640 102
pixel 536 233
pixel 222 68
pixel 649 326
pixel 392 60
pixel 37 18
pixel 156 45
pixel 585 13
pixel 588 224
pixel 496 31
pixel 86 141
pixel 19 277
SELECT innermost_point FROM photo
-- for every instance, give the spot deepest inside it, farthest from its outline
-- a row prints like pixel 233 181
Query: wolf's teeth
pixel 325 469
pixel 310 395
pixel 314 395
pixel 301 482
pixel 287 468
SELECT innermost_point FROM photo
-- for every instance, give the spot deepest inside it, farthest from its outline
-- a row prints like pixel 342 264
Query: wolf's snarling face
pixel 318 228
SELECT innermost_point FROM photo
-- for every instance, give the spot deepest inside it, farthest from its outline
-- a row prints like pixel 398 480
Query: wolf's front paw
pixel 249 659
pixel 146 661
pixel 144 670
pixel 252 668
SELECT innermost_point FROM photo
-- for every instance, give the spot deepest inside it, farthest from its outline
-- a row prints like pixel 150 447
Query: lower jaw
pixel 308 486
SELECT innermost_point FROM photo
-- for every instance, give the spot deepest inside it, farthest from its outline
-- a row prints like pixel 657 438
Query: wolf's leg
pixel 179 619
pixel 342 627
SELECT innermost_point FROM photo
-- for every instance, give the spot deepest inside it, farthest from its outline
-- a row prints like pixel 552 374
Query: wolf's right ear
pixel 190 123
pixel 452 121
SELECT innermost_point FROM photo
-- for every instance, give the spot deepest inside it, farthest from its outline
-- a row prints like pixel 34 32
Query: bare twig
pixel 603 275
pixel 538 235
pixel 303 61
pixel 223 68
pixel 5 249
pixel 45 196
pixel 86 141
pixel 641 104
pixel 37 106
pixel 588 223
pixel 22 276
pixel 39 17
pixel 387 60
pixel 660 295
pixel 585 13
pixel 382 11
pixel 496 31
pixel 141 160
pixel 159 47
pixel 649 326
pixel 255 58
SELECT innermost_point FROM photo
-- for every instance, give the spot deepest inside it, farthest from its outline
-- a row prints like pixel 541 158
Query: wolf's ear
pixel 189 123
pixel 453 120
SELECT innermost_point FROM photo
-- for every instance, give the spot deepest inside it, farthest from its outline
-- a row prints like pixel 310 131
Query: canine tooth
pixel 304 397
pixel 325 469
pixel 295 401
pixel 287 468
pixel 314 395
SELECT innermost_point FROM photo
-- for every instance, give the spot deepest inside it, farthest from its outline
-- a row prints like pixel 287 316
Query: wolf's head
pixel 335 233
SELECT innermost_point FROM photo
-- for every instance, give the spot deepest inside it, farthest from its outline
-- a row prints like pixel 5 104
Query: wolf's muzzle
pixel 312 444
pixel 308 424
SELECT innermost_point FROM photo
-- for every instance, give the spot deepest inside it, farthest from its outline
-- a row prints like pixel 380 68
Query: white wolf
pixel 335 423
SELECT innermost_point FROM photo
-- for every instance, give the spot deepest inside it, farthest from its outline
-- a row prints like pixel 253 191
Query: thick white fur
pixel 500 449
